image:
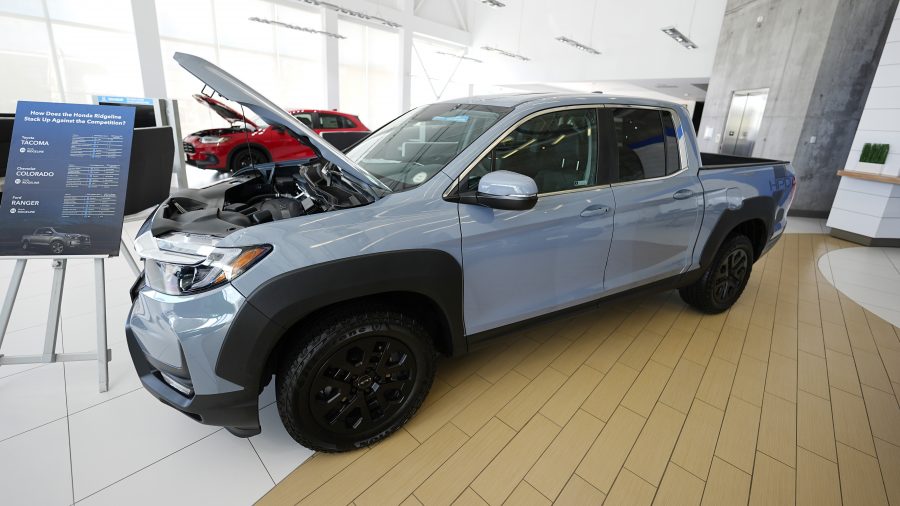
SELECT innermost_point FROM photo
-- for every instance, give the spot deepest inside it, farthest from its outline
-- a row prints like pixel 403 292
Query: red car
pixel 244 142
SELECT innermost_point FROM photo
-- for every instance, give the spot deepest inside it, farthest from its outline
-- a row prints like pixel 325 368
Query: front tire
pixel 57 247
pixel 358 376
pixel 724 281
pixel 246 157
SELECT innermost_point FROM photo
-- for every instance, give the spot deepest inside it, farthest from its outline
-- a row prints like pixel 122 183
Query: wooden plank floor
pixel 790 397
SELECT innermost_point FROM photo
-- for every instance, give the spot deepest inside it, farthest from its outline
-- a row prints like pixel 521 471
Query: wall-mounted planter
pixel 872 158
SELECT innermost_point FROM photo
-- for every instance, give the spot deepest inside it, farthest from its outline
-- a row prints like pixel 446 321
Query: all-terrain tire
pixel 723 282
pixel 336 391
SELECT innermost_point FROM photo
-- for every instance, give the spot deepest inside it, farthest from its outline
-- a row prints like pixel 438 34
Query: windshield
pixel 414 147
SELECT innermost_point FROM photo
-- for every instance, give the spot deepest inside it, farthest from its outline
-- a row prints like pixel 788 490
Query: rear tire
pixel 358 375
pixel 724 281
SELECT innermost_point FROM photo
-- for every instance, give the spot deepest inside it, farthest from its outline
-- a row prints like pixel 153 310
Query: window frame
pixel 682 149
pixel 603 166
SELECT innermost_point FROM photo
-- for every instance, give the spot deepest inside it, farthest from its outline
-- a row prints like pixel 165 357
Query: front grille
pixel 188 147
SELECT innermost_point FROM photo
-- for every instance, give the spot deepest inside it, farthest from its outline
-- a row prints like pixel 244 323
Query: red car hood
pixel 227 113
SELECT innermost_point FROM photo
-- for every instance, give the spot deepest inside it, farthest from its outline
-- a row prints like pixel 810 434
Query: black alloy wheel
pixel 353 376
pixel 247 157
pixel 723 282
pixel 57 247
pixel 362 384
pixel 730 275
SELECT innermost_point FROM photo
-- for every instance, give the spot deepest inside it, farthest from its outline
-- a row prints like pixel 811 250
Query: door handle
pixel 595 210
pixel 682 194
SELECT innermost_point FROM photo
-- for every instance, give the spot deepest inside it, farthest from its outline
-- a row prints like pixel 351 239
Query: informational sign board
pixel 65 185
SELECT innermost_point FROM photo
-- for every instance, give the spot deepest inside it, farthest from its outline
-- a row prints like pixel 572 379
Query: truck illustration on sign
pixel 57 242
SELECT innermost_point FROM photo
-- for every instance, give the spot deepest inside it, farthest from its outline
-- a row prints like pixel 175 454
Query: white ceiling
pixel 636 54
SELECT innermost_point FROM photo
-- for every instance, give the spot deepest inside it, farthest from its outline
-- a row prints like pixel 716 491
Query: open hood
pixel 227 113
pixel 233 89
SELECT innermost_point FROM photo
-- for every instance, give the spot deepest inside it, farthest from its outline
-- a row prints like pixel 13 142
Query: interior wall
pixel 816 58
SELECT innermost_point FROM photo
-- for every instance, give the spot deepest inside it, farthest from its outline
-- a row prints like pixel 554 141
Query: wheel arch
pixel 754 219
pixel 427 282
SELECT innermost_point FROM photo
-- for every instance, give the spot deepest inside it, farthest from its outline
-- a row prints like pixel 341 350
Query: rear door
pixel 659 199
pixel 521 264
pixel 340 130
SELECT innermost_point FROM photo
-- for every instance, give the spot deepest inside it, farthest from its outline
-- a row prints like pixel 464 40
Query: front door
pixel 659 199
pixel 521 264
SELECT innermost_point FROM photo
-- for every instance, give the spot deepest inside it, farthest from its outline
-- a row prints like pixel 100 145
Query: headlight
pixel 221 266
pixel 212 139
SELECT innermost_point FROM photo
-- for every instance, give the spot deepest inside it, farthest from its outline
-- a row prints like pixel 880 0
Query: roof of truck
pixel 517 99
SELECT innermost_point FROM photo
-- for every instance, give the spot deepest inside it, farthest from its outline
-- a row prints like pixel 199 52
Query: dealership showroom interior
pixel 435 252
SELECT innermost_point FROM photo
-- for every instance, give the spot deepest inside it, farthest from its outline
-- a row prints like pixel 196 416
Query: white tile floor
pixel 62 442
pixel 869 276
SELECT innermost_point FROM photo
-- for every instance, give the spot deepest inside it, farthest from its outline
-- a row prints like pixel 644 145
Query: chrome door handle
pixel 595 210
pixel 682 194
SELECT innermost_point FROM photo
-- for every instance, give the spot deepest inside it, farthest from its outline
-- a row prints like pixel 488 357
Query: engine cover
pixel 282 208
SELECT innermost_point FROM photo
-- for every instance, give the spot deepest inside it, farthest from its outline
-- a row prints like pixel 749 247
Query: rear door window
pixel 333 121
pixel 640 143
pixel 673 159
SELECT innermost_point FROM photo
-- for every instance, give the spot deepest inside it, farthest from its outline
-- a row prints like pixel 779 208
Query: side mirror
pixel 509 191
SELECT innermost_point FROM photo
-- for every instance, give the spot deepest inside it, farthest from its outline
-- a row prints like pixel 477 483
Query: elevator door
pixel 742 125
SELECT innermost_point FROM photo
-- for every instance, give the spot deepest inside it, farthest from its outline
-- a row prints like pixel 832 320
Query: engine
pixel 255 196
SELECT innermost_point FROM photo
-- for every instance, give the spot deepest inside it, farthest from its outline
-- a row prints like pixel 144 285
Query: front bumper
pixel 177 340
pixel 203 156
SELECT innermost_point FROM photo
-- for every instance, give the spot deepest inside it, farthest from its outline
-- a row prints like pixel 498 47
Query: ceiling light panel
pixel 295 27
pixel 352 13
pixel 577 45
pixel 679 37
pixel 506 53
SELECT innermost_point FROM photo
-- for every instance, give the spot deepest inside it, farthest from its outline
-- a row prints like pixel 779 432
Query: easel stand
pixel 50 355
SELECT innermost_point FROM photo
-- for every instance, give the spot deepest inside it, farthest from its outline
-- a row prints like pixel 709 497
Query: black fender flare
pixel 283 301
pixel 754 208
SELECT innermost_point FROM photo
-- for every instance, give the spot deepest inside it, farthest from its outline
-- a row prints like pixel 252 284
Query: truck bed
pixel 712 161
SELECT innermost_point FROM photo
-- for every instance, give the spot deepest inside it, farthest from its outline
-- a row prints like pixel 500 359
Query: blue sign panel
pixel 66 178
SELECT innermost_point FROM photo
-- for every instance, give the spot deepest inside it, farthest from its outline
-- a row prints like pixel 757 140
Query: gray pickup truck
pixel 343 276
pixel 54 241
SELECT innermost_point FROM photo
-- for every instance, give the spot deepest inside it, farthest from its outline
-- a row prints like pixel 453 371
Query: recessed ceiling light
pixel 679 37
pixel 295 27
pixel 577 45
pixel 493 3
pixel 352 13
pixel 506 53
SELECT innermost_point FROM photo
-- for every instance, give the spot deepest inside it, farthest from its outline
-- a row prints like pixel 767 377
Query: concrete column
pixel 332 63
pixel 146 32
pixel 818 60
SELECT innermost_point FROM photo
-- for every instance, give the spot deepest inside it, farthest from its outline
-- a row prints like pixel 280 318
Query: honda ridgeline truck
pixel 343 276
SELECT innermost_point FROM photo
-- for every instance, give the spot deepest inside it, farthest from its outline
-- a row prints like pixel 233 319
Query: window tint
pixel 305 118
pixel 673 161
pixel 558 150
pixel 639 138
pixel 331 121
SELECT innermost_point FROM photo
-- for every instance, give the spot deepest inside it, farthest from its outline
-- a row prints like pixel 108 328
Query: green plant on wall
pixel 875 153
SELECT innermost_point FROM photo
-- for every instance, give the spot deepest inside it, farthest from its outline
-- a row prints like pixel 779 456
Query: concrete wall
pixel 817 58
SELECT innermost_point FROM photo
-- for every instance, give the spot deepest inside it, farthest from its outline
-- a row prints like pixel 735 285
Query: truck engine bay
pixel 257 195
